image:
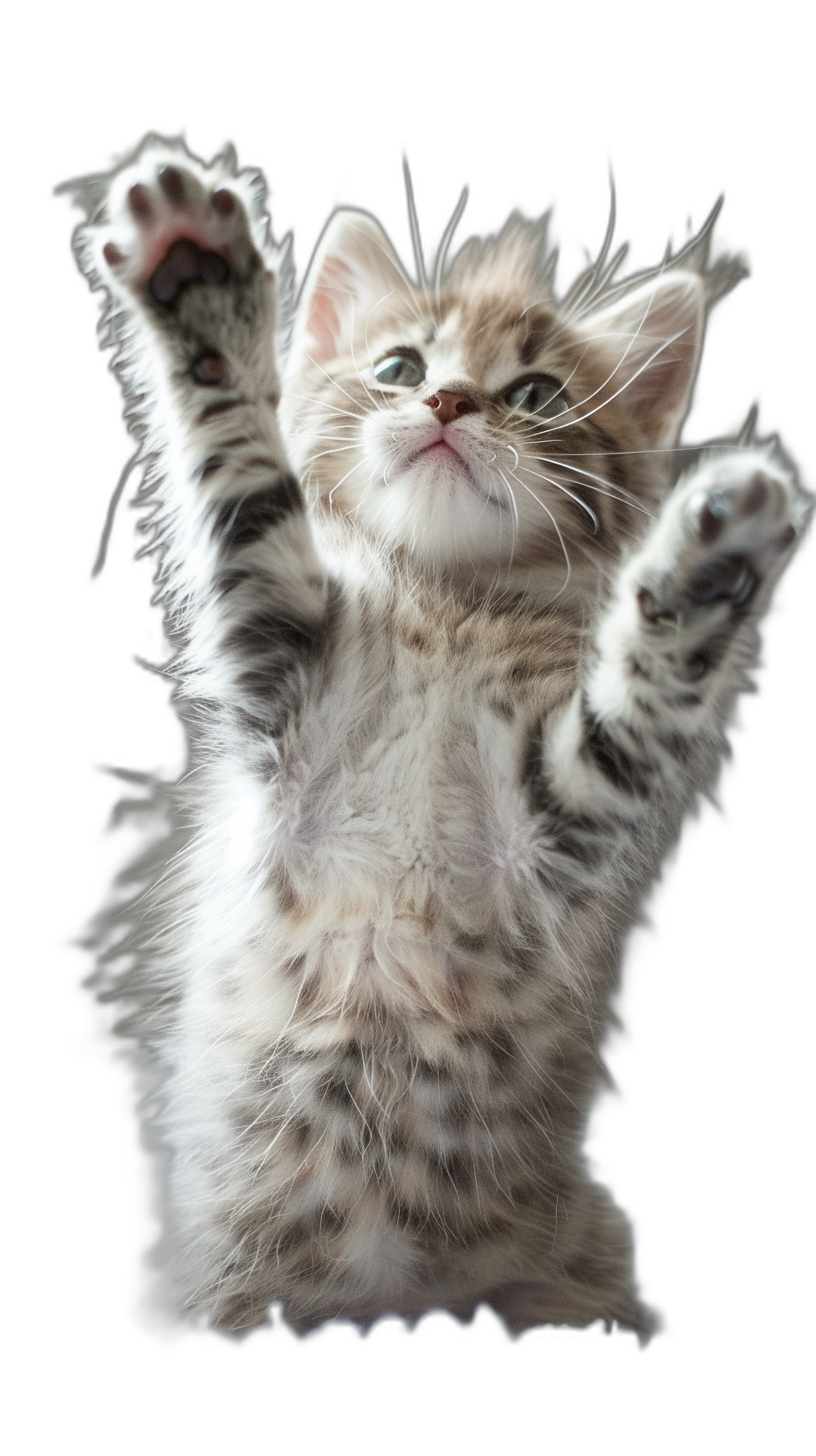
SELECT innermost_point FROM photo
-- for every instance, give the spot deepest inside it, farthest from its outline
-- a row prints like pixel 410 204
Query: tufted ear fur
pixel 353 272
pixel 651 339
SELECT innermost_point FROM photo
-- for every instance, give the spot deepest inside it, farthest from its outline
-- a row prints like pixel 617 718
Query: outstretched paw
pixel 185 249
pixel 726 532
pixel 173 222
pixel 747 524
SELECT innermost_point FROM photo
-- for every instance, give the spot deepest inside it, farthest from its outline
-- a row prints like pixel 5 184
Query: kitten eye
pixel 538 396
pixel 403 369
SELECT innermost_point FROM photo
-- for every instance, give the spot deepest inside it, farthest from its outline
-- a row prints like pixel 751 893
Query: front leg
pixel 644 733
pixel 182 251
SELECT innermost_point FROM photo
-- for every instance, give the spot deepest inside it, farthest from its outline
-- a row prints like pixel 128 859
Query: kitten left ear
pixel 651 341
pixel 353 272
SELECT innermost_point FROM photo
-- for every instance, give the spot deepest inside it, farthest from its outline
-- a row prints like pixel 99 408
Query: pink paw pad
pixel 186 263
pixel 742 526
pixel 175 229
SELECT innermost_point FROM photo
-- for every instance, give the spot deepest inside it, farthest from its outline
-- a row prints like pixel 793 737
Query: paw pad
pixel 729 578
pixel 211 368
pixel 139 202
pixel 171 181
pixel 186 263
pixel 174 222
pixel 748 522
pixel 724 534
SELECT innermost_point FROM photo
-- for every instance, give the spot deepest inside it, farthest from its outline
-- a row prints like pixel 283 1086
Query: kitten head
pixel 481 424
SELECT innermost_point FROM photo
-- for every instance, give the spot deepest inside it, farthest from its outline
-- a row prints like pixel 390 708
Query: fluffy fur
pixel 457 638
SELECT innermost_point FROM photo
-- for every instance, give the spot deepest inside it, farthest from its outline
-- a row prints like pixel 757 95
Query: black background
pixel 705 1143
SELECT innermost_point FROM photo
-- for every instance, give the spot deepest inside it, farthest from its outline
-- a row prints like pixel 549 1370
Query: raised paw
pixel 727 530
pixel 747 524
pixel 173 222
pixel 184 249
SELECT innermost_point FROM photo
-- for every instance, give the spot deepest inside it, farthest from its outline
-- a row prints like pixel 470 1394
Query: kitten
pixel 454 660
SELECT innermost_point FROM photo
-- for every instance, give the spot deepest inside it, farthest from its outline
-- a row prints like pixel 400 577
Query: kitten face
pixel 476 428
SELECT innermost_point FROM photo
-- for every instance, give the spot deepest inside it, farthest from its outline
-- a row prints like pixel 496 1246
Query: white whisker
pixel 557 529
pixel 596 525
pixel 407 292
pixel 336 450
pixel 514 505
pixel 331 380
pixel 325 404
pixel 341 481
pixel 603 486
pixel 665 344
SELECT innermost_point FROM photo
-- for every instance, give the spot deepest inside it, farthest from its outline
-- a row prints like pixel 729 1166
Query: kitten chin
pixel 437 496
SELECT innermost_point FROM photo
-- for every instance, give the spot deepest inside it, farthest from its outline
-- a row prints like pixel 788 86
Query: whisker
pixel 328 435
pixel 604 487
pixel 341 480
pixel 365 491
pixel 407 292
pixel 331 380
pixel 529 420
pixel 376 403
pixel 645 365
pixel 596 525
pixel 337 450
pixel 557 528
pixel 729 445
pixel 325 404
pixel 513 503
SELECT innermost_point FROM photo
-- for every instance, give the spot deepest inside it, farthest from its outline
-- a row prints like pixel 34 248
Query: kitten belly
pixel 370 1116
pixel 379 1121
pixel 360 1130
pixel 372 1029
pixel 413 811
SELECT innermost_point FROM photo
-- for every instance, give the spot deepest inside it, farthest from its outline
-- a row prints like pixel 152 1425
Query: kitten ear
pixel 650 340
pixel 353 271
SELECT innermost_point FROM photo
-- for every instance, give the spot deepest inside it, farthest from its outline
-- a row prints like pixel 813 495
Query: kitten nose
pixel 448 406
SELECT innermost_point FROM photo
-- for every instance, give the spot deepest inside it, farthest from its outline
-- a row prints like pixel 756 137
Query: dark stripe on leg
pixel 219 407
pixel 242 520
pixel 612 759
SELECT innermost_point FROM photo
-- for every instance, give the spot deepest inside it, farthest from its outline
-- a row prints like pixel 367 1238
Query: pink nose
pixel 448 406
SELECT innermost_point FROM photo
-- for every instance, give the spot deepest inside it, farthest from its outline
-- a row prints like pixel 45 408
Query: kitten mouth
pixel 441 453
pixel 442 449
pixel 455 470
pixel 439 448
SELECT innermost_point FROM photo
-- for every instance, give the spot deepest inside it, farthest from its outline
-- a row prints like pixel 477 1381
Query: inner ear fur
pixel 650 342
pixel 353 273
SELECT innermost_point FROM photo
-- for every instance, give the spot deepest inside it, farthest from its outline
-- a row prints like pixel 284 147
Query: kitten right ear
pixel 353 271
pixel 651 337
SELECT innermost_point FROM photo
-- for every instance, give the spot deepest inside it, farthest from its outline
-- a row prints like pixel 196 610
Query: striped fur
pixel 452 674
